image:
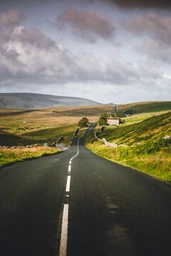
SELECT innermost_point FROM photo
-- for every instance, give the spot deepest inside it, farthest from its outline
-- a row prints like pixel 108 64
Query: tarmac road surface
pixel 78 204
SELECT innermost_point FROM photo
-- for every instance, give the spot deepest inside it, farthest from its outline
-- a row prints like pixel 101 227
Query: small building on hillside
pixel 113 120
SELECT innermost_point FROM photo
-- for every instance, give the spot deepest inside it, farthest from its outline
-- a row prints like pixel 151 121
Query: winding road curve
pixel 78 204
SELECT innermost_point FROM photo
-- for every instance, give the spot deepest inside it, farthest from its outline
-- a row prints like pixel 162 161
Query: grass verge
pixel 145 146
pixel 156 164
pixel 12 155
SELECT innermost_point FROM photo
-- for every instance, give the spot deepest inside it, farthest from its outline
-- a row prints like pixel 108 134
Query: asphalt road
pixel 113 210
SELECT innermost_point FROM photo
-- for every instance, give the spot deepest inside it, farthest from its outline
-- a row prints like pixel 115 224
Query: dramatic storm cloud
pixel 107 51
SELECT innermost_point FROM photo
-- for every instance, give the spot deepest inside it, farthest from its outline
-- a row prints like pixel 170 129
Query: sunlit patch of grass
pixel 157 164
pixel 12 155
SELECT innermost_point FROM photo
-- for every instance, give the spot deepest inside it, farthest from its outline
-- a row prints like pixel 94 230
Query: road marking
pixel 69 168
pixel 68 184
pixel 64 231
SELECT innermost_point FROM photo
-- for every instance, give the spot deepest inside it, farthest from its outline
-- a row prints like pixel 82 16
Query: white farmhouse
pixel 113 121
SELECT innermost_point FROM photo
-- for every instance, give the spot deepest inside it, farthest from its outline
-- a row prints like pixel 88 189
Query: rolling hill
pixel 35 101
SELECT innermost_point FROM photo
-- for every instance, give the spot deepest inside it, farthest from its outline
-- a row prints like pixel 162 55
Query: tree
pixel 103 119
pixel 83 122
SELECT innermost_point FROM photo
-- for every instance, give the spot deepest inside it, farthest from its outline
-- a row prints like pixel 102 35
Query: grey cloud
pixel 24 61
pixel 33 37
pixel 155 31
pixel 29 56
pixel 157 50
pixel 11 18
pixel 26 53
pixel 121 72
pixel 148 23
pixel 161 4
pixel 87 25
pixel 8 21
pixel 146 4
pixel 152 24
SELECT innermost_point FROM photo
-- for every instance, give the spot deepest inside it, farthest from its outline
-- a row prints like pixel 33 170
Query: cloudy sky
pixel 104 50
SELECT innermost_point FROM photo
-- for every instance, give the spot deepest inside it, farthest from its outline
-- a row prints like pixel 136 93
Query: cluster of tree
pixel 83 122
pixel 130 111
pixel 126 112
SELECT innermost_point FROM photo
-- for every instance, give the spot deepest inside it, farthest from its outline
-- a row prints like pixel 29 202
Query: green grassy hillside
pixel 145 146
pixel 152 129
pixel 147 107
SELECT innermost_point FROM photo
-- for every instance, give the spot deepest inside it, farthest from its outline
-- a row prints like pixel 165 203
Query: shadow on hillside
pixel 8 139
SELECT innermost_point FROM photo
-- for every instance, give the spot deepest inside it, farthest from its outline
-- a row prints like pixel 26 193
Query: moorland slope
pixel 35 101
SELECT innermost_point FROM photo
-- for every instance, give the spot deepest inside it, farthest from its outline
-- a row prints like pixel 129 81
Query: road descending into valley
pixel 78 204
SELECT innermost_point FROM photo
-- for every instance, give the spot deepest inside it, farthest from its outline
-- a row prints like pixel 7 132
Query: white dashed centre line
pixel 69 168
pixel 68 184
pixel 64 231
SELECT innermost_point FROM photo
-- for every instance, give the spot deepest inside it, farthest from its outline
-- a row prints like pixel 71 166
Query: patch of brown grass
pixel 26 121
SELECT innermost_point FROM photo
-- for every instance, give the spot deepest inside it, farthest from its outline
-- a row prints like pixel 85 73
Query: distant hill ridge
pixel 34 100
